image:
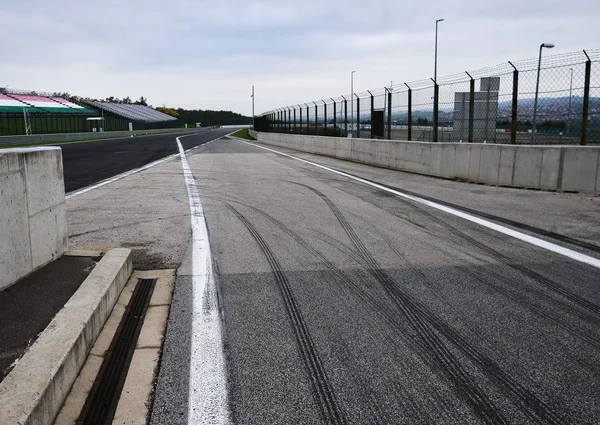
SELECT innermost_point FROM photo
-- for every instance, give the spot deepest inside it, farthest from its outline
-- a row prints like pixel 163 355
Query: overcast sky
pixel 207 55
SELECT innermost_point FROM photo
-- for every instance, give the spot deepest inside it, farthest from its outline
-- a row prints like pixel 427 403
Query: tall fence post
pixel 294 119
pixel 345 115
pixel 471 107
pixel 334 117
pixel 389 117
pixel 514 122
pixel 586 100
pixel 307 119
pixel 357 116
pixel 325 115
pixel 409 112
pixel 316 119
pixel 372 108
pixel 300 109
pixel 435 110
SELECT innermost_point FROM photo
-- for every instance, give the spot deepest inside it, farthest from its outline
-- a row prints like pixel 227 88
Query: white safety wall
pixel 33 223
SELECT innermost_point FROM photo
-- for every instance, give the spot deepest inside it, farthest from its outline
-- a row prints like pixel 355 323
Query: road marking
pixel 574 255
pixel 130 172
pixel 207 402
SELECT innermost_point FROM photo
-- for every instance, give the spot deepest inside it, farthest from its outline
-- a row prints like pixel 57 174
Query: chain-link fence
pixel 516 102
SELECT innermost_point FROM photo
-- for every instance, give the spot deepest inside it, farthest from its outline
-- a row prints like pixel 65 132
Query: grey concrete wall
pixel 568 168
pixel 64 137
pixel 33 222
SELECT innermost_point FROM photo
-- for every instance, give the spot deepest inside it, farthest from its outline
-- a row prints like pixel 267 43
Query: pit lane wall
pixel 561 168
pixel 33 223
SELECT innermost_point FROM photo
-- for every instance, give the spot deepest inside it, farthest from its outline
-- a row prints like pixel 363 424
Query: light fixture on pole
pixel 352 101
pixel 435 60
pixel 537 88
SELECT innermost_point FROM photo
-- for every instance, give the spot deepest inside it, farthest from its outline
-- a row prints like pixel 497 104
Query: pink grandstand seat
pixel 66 102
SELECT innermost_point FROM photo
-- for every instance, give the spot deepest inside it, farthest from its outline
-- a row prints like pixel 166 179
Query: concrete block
pixel 414 157
pixel 528 166
pixel 474 162
pixel 507 165
pixel 390 154
pixel 489 164
pixel 598 177
pixel 550 168
pixel 360 150
pixel 580 167
pixel 462 156
pixel 48 234
pixel 378 154
pixel 435 166
pixel 15 163
pixel 45 181
pixel 4 164
pixel 448 160
pixel 343 148
pixel 36 388
pixel 15 251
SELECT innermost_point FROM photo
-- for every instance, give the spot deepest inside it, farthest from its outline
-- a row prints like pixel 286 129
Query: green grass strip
pixel 243 134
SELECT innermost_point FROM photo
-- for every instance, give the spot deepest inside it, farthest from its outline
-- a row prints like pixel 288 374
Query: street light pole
pixel 252 108
pixel 352 102
pixel 537 88
pixel 570 95
pixel 435 60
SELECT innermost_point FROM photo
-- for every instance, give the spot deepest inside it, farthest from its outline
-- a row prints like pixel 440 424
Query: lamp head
pixel 548 45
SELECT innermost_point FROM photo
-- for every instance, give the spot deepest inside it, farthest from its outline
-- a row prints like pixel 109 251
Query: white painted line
pixel 574 255
pixel 207 403
pixel 128 173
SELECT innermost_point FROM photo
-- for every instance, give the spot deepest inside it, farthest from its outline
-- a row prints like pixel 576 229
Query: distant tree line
pixel 188 116
pixel 209 118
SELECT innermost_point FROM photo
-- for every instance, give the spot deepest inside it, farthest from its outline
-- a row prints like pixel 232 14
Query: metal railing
pixel 490 105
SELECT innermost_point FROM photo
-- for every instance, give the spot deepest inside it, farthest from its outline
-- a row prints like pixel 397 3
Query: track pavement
pixel 342 303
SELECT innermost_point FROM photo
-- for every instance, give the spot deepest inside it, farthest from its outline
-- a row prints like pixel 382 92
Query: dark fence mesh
pixel 500 104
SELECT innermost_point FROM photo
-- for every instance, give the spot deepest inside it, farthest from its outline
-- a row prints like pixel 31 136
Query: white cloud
pixel 199 54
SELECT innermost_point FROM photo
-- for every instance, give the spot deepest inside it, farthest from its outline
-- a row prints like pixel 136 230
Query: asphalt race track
pixel 86 163
pixel 342 303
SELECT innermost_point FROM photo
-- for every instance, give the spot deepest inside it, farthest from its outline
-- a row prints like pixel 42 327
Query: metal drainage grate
pixel 102 401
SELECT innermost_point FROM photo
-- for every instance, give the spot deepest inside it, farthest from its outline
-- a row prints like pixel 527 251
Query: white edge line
pixel 574 255
pixel 130 172
pixel 207 402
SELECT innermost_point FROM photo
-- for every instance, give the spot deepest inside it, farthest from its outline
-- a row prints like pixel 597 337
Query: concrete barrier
pixel 564 168
pixel 33 222
pixel 65 137
pixel 34 391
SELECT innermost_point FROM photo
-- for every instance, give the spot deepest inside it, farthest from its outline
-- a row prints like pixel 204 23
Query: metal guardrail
pixel 6 141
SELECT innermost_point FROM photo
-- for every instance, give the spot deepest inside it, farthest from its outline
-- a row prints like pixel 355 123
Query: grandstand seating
pixel 133 112
pixel 39 104
pixel 10 105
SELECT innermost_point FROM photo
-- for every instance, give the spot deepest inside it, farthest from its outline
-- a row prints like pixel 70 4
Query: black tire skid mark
pixel 425 321
pixel 445 361
pixel 593 310
pixel 323 391
pixel 373 302
pixel 551 285
pixel 550 315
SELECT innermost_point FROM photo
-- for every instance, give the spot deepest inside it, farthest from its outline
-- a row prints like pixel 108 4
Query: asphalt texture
pixel 343 304
pixel 29 305
pixel 86 163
